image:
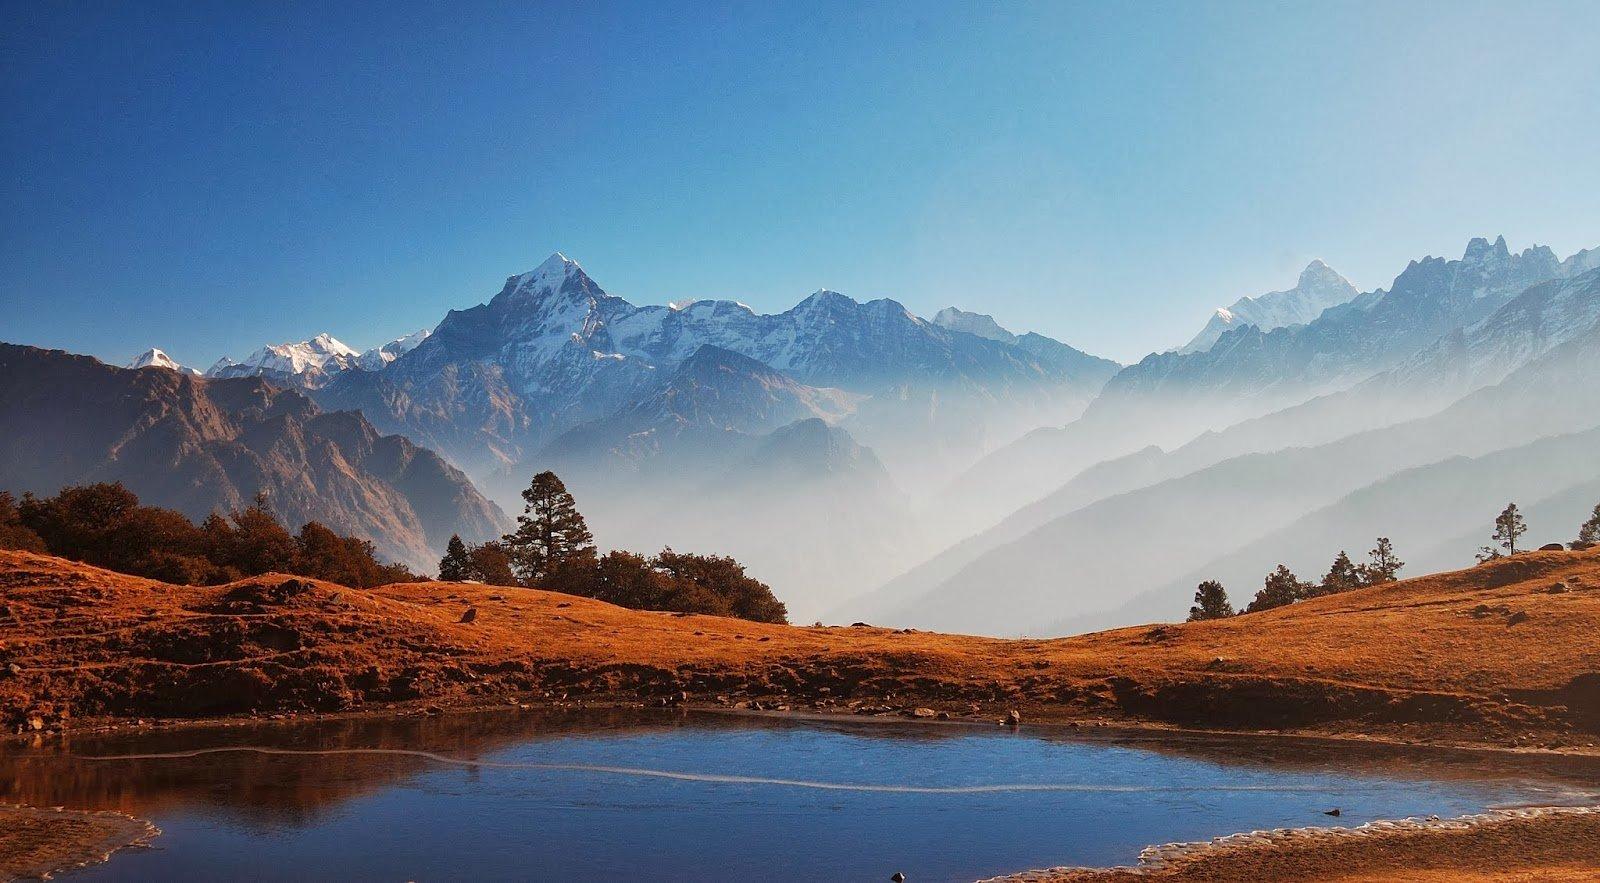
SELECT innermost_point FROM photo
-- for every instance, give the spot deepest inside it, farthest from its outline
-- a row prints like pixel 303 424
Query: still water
pixel 520 795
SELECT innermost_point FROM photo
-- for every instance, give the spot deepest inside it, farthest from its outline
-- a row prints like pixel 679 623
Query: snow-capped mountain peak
pixel 307 363
pixel 1318 288
pixel 154 358
pixel 376 358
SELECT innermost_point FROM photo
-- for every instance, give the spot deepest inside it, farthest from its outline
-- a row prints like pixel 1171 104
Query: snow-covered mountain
pixel 551 351
pixel 1347 342
pixel 1318 288
pixel 154 358
pixel 377 358
pixel 308 364
pixel 980 324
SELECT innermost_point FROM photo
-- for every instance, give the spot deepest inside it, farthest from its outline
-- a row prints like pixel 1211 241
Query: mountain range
pixel 203 445
pixel 947 472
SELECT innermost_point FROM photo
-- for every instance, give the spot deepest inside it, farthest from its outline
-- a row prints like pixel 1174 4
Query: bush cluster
pixel 105 525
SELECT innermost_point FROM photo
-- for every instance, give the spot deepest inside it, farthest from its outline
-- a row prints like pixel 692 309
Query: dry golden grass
pixel 1493 654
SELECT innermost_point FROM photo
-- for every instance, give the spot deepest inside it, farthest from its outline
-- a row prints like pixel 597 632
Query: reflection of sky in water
pixel 519 823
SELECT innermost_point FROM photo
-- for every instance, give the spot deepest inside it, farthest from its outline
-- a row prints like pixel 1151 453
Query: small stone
pixel 470 614
pixel 898 877
pixel 923 712
pixel 433 710
pixel 1519 617
pixel 1013 718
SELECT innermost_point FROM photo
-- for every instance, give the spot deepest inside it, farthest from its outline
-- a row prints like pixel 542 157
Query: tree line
pixel 553 549
pixel 1281 587
pixel 105 525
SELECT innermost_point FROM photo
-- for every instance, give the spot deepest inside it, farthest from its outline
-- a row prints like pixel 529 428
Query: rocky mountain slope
pixel 201 445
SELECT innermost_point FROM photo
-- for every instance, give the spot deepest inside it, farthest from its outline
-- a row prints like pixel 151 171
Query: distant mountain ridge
pixel 310 364
pixel 201 445
pixel 1317 289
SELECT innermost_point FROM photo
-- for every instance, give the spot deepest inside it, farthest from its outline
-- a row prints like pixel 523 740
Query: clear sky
pixel 210 177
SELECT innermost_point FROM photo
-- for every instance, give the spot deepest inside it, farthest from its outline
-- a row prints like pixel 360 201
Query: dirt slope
pixel 1504 653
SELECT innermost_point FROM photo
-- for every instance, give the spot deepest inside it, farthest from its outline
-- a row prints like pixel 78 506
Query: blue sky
pixel 209 177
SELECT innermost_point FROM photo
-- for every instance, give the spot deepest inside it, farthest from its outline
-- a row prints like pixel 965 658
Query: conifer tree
pixel 550 533
pixel 1280 589
pixel 1342 576
pixel 1384 567
pixel 455 565
pixel 1210 602
pixel 1508 527
pixel 1589 533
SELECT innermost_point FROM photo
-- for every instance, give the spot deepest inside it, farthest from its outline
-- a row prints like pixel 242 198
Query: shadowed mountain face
pixel 713 402
pixel 497 382
pixel 733 457
pixel 203 445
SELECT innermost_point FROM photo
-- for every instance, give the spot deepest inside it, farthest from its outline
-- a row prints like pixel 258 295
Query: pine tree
pixel 1280 589
pixel 550 532
pixel 1384 567
pixel 1589 533
pixel 1342 576
pixel 1210 602
pixel 1508 527
pixel 455 565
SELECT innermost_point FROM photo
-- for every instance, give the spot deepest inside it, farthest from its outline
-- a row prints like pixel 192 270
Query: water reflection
pixel 540 810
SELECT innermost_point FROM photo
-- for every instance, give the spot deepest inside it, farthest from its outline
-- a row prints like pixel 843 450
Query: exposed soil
pixel 1552 845
pixel 37 843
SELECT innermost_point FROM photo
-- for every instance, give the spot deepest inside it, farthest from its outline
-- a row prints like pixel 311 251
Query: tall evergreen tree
pixel 1589 533
pixel 1508 527
pixel 1342 576
pixel 1280 589
pixel 1384 566
pixel 1210 602
pixel 550 533
pixel 455 565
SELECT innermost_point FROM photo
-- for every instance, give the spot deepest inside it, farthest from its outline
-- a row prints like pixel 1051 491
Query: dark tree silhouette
pixel 1508 527
pixel 491 564
pixel 1384 566
pixel 105 525
pixel 456 564
pixel 550 533
pixel 1280 589
pixel 1342 576
pixel 1210 602
pixel 1588 533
